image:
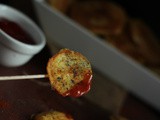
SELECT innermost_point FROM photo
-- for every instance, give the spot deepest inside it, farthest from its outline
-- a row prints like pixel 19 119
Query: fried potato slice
pixel 69 73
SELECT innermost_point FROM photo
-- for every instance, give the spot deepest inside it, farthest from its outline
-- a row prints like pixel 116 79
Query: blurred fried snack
pixel 53 115
pixel 100 17
pixel 146 41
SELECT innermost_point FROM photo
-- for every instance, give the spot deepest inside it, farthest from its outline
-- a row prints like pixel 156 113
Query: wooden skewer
pixel 21 77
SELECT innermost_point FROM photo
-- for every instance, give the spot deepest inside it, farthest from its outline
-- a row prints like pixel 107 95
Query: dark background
pixel 145 10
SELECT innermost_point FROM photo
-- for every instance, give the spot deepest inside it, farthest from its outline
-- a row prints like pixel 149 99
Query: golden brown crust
pixel 53 115
pixel 101 17
pixel 66 69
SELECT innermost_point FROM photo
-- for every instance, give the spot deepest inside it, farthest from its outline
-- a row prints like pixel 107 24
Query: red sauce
pixel 15 31
pixel 81 88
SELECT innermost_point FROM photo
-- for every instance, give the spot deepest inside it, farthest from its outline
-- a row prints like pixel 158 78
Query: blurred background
pixel 146 10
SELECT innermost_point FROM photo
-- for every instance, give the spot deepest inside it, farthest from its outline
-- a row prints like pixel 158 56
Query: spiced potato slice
pixel 69 73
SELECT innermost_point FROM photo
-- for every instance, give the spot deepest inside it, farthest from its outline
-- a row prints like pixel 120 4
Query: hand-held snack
pixel 53 115
pixel 69 73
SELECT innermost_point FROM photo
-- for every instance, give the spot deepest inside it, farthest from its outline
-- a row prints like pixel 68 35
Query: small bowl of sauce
pixel 20 37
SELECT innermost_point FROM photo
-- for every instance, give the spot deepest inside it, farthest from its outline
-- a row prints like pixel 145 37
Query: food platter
pixel 128 73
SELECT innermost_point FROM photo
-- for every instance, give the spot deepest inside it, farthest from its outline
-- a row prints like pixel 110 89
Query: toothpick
pixel 21 77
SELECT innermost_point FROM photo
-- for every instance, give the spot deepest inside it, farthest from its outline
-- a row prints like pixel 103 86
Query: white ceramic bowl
pixel 13 52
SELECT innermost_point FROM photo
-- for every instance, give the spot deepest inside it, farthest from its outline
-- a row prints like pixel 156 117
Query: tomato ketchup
pixel 14 30
pixel 80 88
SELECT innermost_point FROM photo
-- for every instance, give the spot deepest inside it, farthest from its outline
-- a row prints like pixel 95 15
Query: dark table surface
pixel 22 99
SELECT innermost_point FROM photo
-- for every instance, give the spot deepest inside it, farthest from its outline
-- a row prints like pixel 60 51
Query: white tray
pixel 120 68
